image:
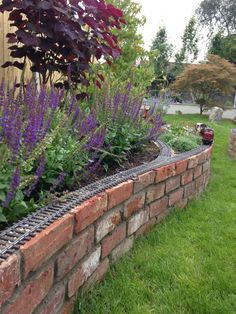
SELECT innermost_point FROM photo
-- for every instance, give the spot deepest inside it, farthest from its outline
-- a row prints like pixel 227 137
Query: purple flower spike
pixel 38 174
pixel 15 181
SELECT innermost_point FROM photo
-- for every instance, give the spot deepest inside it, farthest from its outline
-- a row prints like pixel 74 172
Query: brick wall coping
pixel 44 274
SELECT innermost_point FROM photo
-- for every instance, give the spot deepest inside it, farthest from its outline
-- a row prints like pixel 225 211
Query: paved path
pixel 191 109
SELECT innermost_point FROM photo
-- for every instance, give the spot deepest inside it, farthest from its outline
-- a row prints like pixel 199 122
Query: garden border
pixel 232 143
pixel 45 273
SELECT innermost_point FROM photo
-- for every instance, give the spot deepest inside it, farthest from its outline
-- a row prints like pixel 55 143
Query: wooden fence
pixel 10 73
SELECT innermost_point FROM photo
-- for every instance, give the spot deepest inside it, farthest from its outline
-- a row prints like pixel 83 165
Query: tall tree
pixel 206 81
pixel 218 15
pixel 189 50
pixel 164 50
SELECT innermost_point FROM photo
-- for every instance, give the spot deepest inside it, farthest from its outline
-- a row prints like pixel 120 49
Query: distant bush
pixel 167 137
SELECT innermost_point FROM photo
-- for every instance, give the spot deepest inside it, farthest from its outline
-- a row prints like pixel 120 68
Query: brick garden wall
pixel 75 251
pixel 232 143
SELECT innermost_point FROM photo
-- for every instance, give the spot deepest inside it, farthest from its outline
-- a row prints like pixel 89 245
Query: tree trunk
pixel 201 109
pixel 235 100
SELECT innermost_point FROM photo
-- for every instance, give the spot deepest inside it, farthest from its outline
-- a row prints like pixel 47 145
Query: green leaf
pixel 2 217
pixel 2 195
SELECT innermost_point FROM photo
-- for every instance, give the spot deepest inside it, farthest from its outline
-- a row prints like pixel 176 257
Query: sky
pixel 173 14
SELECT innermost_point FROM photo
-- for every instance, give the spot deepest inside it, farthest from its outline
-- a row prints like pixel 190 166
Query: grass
pixel 187 264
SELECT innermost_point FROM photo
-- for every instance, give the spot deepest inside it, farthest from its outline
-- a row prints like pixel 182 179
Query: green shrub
pixel 182 144
pixel 166 137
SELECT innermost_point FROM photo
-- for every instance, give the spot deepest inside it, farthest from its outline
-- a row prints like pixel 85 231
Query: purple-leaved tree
pixel 62 35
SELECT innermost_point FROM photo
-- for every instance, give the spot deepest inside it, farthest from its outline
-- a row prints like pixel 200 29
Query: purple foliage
pixel 154 131
pixel 15 181
pixel 60 179
pixel 89 123
pixel 96 140
pixel 26 117
pixel 38 173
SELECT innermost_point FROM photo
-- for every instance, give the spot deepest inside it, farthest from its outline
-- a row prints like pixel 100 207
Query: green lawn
pixel 186 264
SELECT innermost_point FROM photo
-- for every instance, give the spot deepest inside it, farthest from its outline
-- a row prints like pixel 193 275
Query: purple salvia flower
pixel 156 128
pixel 15 181
pixel 71 107
pixel 116 102
pixel 97 140
pixel 60 179
pixel 89 123
pixel 38 174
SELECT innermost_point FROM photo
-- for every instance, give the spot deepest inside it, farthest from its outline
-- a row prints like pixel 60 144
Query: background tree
pixel 206 81
pixel 224 46
pixel 218 15
pixel 189 50
pixel 134 64
pixel 164 50
pixel 57 35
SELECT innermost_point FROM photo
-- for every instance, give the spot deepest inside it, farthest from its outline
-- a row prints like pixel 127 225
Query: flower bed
pixel 232 143
pixel 50 142
pixel 45 273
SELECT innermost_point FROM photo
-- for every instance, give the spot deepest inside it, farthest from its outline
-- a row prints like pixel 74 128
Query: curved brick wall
pixel 75 251
pixel 232 143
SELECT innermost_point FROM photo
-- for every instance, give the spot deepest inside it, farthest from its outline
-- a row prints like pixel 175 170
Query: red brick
pixel 193 162
pixel 111 241
pixel 208 152
pixel 157 207
pixel 83 272
pixel 182 204
pixel 79 247
pixel 46 243
pixel 98 274
pixel 197 171
pixel 137 221
pixel 155 192
pixel 181 166
pixel 163 214
pixel 206 166
pixel 206 178
pixel 53 302
pixel 189 190
pixel 199 183
pixel 119 193
pixel 165 172
pixel 176 196
pixel 90 211
pixel 144 180
pixel 9 277
pixel 108 223
pixel 144 229
pixel 124 247
pixel 68 306
pixel 135 203
pixel 172 184
pixel 33 294
pixel 201 158
pixel 187 177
